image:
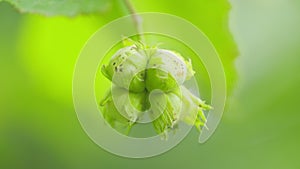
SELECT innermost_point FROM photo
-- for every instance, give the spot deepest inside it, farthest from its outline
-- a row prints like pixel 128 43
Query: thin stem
pixel 136 19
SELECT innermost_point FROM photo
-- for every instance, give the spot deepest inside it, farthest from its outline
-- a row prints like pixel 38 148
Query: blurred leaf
pixel 61 7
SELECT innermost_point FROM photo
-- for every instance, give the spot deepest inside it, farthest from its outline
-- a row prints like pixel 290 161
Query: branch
pixel 136 19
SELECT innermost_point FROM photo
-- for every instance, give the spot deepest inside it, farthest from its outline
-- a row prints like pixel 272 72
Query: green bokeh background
pixel 260 128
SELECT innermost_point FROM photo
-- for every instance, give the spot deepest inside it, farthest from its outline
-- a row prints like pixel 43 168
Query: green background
pixel 259 129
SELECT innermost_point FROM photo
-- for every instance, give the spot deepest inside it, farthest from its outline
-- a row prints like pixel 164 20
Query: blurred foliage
pixel 59 7
pixel 38 125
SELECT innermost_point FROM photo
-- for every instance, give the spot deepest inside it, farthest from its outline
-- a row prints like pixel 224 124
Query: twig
pixel 136 19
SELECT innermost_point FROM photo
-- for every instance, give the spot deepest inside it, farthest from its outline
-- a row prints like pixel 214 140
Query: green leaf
pixel 61 7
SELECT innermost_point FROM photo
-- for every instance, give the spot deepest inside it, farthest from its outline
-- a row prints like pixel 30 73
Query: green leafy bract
pixel 127 68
